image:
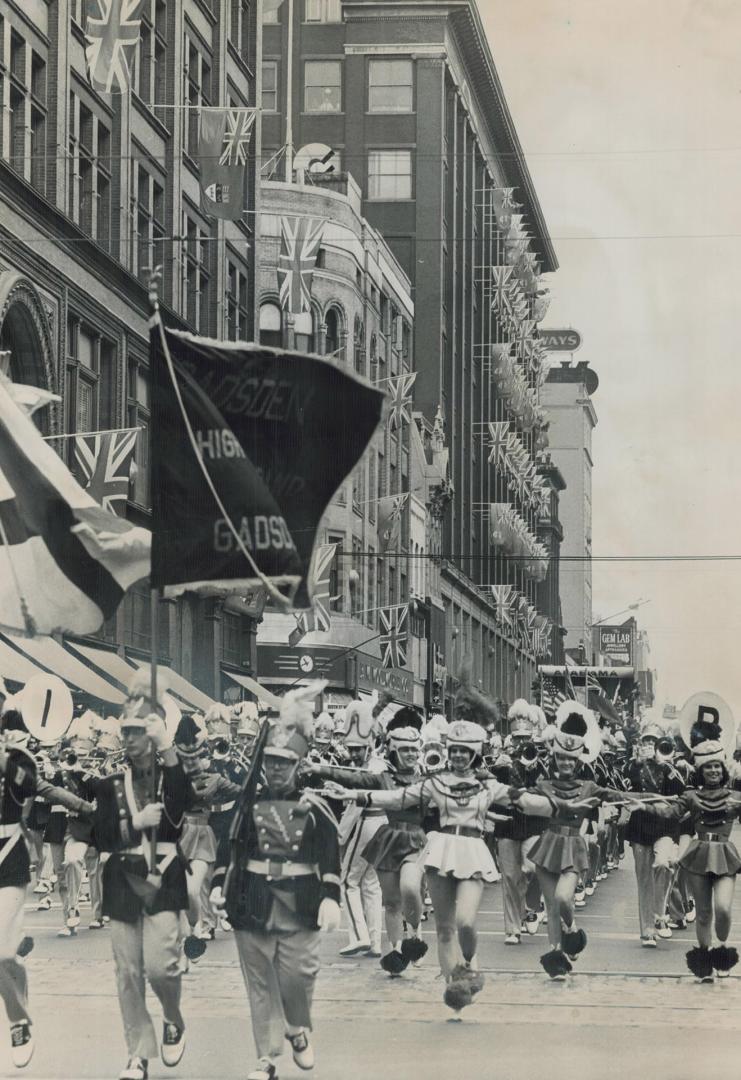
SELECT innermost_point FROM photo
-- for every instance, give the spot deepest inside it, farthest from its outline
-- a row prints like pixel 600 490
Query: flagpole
pixel 154 596
pixel 289 95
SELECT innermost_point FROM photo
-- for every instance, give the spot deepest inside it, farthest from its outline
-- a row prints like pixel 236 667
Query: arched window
pixel 271 325
pixel 334 328
pixel 359 347
pixel 303 327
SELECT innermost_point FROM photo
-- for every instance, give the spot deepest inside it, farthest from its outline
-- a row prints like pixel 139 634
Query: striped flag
pixel 394 635
pixel 551 697
pixel 301 239
pixel 401 398
pixel 65 563
pixel 104 462
pixel 111 36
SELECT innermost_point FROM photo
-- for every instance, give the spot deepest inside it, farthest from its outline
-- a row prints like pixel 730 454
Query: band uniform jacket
pixel 652 777
pixel 299 828
pixel 17 783
pixel 114 833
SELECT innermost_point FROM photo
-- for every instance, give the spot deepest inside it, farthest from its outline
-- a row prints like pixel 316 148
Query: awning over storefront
pixel 180 687
pixel 576 672
pixel 49 654
pixel 254 688
pixel 14 666
pixel 110 663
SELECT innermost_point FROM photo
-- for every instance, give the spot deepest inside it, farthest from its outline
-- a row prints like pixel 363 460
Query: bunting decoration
pixel 301 239
pixel 509 532
pixel 390 511
pixel 498 431
pixel 65 562
pixel 400 390
pixel 394 635
pixel 112 31
pixel 504 596
pixel 105 462
pixel 223 145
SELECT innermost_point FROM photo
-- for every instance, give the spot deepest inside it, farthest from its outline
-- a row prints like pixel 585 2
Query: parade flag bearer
pixel 280 881
pixel 144 902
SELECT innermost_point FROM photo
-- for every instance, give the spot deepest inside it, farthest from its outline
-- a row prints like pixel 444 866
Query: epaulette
pixel 317 803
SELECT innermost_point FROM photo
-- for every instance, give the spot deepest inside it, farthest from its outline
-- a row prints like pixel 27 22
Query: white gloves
pixel 217 898
pixel 329 915
pixel 158 733
pixel 148 817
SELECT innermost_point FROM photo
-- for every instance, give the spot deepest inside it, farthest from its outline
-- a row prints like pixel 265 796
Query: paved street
pixel 629 1012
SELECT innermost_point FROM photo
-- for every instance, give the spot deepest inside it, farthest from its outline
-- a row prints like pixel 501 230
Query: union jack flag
pixel 300 243
pixel 104 462
pixel 390 510
pixel 111 34
pixel 319 617
pixel 498 431
pixel 237 135
pixel 503 598
pixel 401 398
pixel 394 635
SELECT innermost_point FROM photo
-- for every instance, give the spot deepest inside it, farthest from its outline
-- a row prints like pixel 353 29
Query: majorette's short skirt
pixel 462 857
pixel 198 841
pixel 556 852
pixel 719 858
pixel 394 844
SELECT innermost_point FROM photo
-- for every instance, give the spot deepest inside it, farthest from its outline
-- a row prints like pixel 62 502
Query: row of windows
pixel 315 11
pixel 390 86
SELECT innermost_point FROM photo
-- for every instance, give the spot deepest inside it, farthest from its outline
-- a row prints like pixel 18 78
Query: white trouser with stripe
pixel 361 890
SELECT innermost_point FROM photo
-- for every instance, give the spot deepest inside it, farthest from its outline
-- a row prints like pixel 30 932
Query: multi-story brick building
pixel 94 190
pixel 406 97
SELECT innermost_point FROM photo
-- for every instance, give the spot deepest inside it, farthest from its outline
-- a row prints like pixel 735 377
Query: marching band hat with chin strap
pixel 466 733
pixel 404 729
pixel 574 724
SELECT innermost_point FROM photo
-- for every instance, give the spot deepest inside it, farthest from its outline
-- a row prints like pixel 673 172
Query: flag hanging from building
pixel 65 563
pixel 320 617
pixel 503 598
pixel 393 627
pixel 400 390
pixel 223 146
pixel 277 433
pixel 390 511
pixel 499 443
pixel 104 462
pixel 112 32
pixel 300 241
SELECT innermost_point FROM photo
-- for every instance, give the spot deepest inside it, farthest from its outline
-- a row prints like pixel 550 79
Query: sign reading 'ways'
pixel 560 340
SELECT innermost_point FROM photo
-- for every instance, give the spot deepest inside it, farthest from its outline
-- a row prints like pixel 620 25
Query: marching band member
pixel 80 854
pixel 711 859
pixel 361 889
pixel 394 848
pixel 230 766
pixel 280 885
pixel 144 898
pixel 456 860
pixel 198 840
pixel 652 839
pixel 516 837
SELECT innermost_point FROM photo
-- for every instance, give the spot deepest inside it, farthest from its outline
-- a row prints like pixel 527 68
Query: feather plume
pixel 469 703
pixel 297 707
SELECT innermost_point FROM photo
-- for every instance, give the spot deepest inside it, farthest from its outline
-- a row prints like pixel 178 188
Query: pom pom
pixel 699 962
pixel 705 731
pixel 574 942
pixel 723 957
pixel 413 949
pixel 394 962
pixel 405 718
pixel 574 724
pixel 461 973
pixel 457 995
pixel 555 963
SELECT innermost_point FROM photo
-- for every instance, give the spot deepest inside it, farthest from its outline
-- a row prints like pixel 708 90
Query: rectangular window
pixel 137 415
pixel 147 219
pixel 90 379
pixel 89 172
pixel 323 11
pixel 270 86
pixel 335 574
pixel 237 327
pixel 390 87
pixel 323 86
pixel 231 638
pixel 196 275
pixel 271 12
pixel 197 74
pixel 151 54
pixel 239 28
pixel 390 174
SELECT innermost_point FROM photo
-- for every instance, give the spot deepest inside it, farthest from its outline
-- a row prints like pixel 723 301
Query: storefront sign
pixel 372 675
pixel 560 340
pixel 294 663
pixel 616 643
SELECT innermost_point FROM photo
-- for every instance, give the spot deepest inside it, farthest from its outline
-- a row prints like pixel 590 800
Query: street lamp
pixel 630 607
